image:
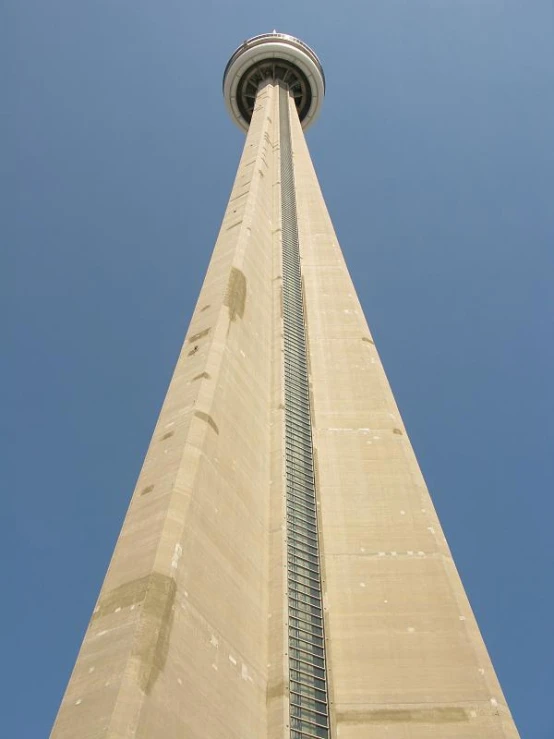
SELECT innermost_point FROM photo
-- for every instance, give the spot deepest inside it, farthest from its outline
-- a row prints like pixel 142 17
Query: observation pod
pixel 276 56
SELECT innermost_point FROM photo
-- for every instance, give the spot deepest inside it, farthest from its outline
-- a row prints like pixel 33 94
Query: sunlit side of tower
pixel 281 572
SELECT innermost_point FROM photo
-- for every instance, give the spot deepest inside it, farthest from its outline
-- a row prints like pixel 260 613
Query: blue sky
pixel 435 151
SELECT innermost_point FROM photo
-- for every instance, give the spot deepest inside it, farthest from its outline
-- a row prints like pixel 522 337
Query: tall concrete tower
pixel 281 572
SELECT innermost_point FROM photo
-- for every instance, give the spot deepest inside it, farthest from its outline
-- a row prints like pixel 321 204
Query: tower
pixel 281 572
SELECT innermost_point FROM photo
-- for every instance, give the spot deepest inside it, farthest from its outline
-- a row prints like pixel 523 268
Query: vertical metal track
pixel 309 711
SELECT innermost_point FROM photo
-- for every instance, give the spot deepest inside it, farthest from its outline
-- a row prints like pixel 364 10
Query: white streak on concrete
pixel 176 556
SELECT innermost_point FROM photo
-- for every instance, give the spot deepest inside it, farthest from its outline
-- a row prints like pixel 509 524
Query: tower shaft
pixel 281 571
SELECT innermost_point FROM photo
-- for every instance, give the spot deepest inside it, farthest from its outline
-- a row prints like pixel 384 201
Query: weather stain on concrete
pixel 156 595
pixel 166 436
pixel 369 341
pixel 209 420
pixel 444 715
pixel 276 690
pixel 199 335
pixel 124 596
pixel 147 489
pixel 398 431
pixel 204 308
pixel 202 375
pixel 235 296
pixel 154 629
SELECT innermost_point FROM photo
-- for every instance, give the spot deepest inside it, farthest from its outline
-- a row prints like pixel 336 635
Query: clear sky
pixel 435 150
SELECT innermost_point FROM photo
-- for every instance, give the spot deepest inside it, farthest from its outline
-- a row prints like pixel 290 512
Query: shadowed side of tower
pixel 281 571
pixel 405 656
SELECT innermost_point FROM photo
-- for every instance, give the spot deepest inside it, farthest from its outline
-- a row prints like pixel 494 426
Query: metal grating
pixel 309 708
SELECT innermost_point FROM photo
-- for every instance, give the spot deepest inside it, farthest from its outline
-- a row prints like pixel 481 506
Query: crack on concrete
pixel 446 715
pixel 208 419
pixel 199 335
pixel 205 375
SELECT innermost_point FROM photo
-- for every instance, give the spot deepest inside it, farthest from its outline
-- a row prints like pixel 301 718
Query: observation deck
pixel 276 56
